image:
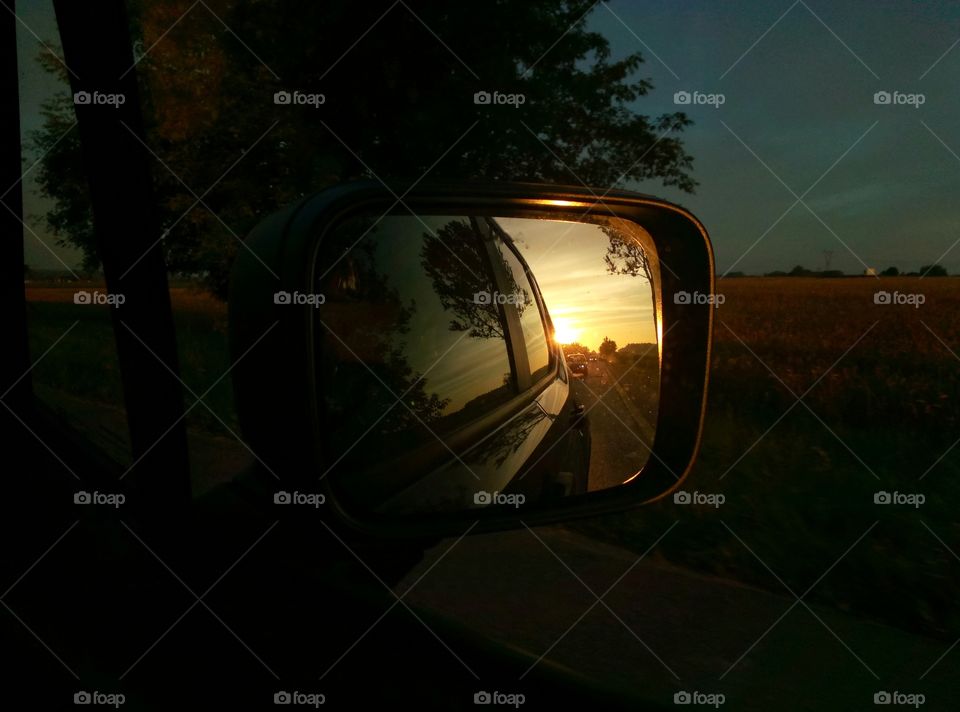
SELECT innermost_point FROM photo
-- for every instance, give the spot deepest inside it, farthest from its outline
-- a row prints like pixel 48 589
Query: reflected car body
pixel 577 363
pixel 421 355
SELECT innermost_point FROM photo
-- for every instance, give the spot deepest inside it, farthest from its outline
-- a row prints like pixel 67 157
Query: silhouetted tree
pixel 452 260
pixel 608 348
pixel 627 257
pixel 397 105
pixel 362 351
pixel 933 271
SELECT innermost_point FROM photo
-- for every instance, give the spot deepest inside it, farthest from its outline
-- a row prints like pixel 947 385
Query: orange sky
pixel 585 302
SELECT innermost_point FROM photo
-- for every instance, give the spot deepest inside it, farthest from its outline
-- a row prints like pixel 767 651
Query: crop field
pixel 821 400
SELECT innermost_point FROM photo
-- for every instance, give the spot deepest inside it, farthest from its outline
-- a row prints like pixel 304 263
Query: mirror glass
pixel 467 362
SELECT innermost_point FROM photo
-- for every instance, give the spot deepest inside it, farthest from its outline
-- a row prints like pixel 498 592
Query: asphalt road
pixel 621 432
pixel 661 629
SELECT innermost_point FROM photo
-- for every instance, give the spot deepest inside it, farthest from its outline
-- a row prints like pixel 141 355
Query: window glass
pixel 534 333
pixel 410 346
pixel 75 371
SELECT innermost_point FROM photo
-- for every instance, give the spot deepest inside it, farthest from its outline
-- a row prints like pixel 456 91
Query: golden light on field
pixel 564 331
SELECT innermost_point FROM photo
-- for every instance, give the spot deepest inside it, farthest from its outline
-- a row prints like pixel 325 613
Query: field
pixel 880 413
pixel 79 378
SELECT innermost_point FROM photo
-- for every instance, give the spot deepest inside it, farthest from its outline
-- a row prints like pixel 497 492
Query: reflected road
pixel 620 431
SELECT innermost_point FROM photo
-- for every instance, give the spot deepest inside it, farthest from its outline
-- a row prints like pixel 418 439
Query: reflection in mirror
pixel 468 361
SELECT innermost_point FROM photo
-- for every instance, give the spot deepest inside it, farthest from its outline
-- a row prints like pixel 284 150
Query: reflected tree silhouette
pixel 367 314
pixel 452 259
pixel 628 257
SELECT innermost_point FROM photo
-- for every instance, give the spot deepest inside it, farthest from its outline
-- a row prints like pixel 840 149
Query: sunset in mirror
pixel 564 332
pixel 464 315
pixel 582 280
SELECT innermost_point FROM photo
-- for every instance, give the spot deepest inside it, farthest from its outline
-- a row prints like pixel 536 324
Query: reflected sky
pixel 426 313
pixel 585 302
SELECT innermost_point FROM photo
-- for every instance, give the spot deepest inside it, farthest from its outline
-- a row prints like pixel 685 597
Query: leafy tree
pixel 365 393
pixel 608 348
pixel 628 257
pixel 890 272
pixel 453 261
pixel 397 105
pixel 59 175
pixel 933 271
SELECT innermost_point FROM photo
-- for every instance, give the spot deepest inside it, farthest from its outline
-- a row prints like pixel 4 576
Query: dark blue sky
pixel 800 99
pixel 798 82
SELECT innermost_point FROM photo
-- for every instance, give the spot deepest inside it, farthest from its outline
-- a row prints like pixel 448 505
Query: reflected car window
pixel 406 350
pixel 538 350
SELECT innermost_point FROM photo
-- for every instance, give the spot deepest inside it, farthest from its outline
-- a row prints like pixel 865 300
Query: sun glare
pixel 563 331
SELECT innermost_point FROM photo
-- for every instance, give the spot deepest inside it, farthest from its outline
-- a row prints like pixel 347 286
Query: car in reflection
pixel 578 365
pixel 432 345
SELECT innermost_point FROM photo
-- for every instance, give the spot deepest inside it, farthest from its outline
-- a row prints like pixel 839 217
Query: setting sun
pixel 563 331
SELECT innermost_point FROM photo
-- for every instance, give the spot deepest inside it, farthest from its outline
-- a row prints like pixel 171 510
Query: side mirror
pixel 431 358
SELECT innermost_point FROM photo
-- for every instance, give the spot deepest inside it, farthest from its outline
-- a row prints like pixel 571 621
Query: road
pixel 659 629
pixel 620 431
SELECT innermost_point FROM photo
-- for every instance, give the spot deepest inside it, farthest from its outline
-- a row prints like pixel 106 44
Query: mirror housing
pixel 272 346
